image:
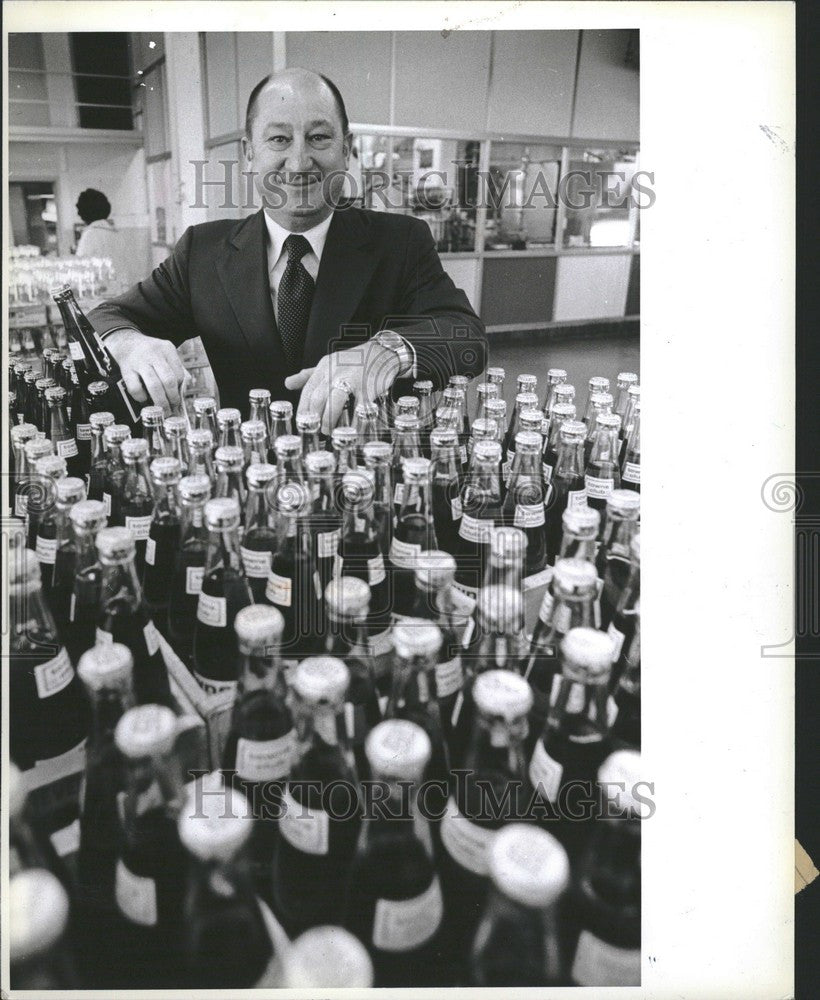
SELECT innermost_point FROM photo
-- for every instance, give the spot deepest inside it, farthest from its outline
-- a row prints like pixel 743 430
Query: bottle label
pixel 75 351
pixel 576 499
pixel 67 840
pixel 462 452
pixel 562 617
pixel 53 675
pixel 211 686
pixel 150 551
pixel 103 638
pixel 599 488
pixel 107 502
pixel 545 613
pixel 455 508
pixel 21 505
pixel 140 526
pixel 449 677
pixel 136 896
pixel 305 829
pixel 631 473
pixel 264 760
pixel 193 579
pixel 380 643
pixel 537 579
pixel 506 469
pixel 405 924
pixel 472 529
pixel 617 638
pixel 545 772
pixel 547 471
pixel 375 570
pixel 257 564
pixel 529 515
pixel 399 491
pixel 597 963
pixel 403 554
pixel 212 611
pixel 466 843
pixel 67 448
pixel 279 590
pixel 151 638
pixel 83 432
pixel 46 549
pixel 327 544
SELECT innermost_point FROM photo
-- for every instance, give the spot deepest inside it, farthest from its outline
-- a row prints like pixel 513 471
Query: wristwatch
pixel 399 346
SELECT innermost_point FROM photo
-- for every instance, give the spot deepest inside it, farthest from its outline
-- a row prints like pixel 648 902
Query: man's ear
pixel 247 148
pixel 347 145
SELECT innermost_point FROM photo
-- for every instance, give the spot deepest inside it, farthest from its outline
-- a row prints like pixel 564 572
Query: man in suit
pixel 303 292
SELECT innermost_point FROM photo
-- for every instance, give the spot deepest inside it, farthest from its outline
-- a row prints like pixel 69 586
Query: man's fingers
pixel 156 390
pixel 134 385
pixel 297 381
pixel 169 381
pixel 336 403
pixel 174 363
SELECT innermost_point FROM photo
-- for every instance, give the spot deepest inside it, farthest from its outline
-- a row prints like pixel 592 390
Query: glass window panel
pixel 598 194
pixel 521 193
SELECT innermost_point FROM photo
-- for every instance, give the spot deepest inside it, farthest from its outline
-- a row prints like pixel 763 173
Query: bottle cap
pixel 70 490
pixel 496 372
pixel 321 680
pixel 104 667
pixel 434 569
pixel 500 609
pixel 487 451
pixel 416 470
pixel 459 381
pixel 88 515
pixel 424 386
pixel 626 379
pixel 307 423
pixel 621 768
pixel 529 440
pixel 584 521
pixel 406 422
pixel 526 400
pixel 572 431
pixel 282 409
pixel 31 376
pixel 204 404
pixel 528 865
pixel 20 433
pixel 556 376
pixel 344 437
pixel 502 694
pixel 253 430
pixel 448 416
pixel 318 462
pixel 357 489
pixel 55 394
pixel 98 388
pixel 409 403
pixel 487 389
pixel 586 655
pixel 259 396
pixel 21 367
pixel 116 433
pixel 43 383
pixel 151 414
pixel 601 400
pixel 496 407
pixel 416 637
pixel 38 448
pixel 102 419
pixel 625 502
pixel 326 957
pixel 50 465
pixel 634 391
pixel 230 457
pixel 166 470
pixel 527 380
pixel 398 748
pixel 376 451
pixel 287 444
pixel 115 545
pixel 222 513
pixel 259 625
pixel 39 907
pixel 214 827
pixel 175 426
pixel 195 488
pixel 24 571
pixel 200 437
pixel 635 547
pixel 507 545
pixel 611 420
pixel 598 384
pixel 146 731
pixel 133 449
pixel 454 395
pixel 61 289
pixel 228 416
pixel 442 437
pixel 347 596
pixel 289 498
pixel 530 420
pixel 261 473
pixel 574 577
pixel 17 791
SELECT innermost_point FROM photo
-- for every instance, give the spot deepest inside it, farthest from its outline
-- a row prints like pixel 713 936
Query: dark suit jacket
pixel 378 271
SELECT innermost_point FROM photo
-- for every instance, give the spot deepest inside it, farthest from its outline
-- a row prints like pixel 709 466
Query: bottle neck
pixel 570 462
pixel 445 464
pixel 121 583
pixel 412 682
pixel 108 705
pixel 32 622
pixel 166 503
pixel 612 867
pixel 317 727
pixel 261 670
pixel 618 534
pixel 200 462
pixel 229 436
pixel 497 744
pixel 86 551
pixel 605 446
pixel 98 451
pixel 360 520
pixel 178 448
pixel 256 508
pixel 152 784
pixel 382 480
pixel 229 483
pixel 578 710
pixel 484 480
pixel 578 547
pixel 137 484
pixel 152 432
pixel 321 492
pixel 223 550
pixel 193 521
pixel 291 469
pixel 498 650
pixel 58 421
pixel 527 469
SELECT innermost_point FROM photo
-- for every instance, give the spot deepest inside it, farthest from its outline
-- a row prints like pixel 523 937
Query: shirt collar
pixel 278 234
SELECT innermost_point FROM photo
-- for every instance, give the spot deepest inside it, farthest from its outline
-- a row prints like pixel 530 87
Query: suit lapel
pixel 348 260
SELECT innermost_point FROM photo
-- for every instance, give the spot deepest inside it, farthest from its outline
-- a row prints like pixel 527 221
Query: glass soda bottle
pixel 30 845
pixel 624 381
pixel 39 490
pixel 37 934
pixel 259 533
pixel 65 444
pixel 414 532
pixel 618 604
pixel 258 409
pixel 619 526
pixel 366 422
pixel 200 453
pixel 580 538
pixel 80 410
pixel 47 717
pixel 189 565
pixel 344 441
pixel 43 414
pixel 423 390
pixel 517 942
pixel 524 384
pixel 603 474
pixel 394 898
pixel 555 377
pixel 327 957
pixel 255 441
pixel 152 430
pixel 87 518
pixel 307 425
pixel 483 392
pixel 30 402
pixel 228 420
pixel 205 416
pixel 406 444
pixel 175 429
pixel 568 486
pixel 230 482
pixel 55 550
pixel 601 403
pixel 150 874
pixel 597 385
pixel 481 512
pixel 319 823
pixel 163 541
pixel 524 504
pixel 446 488
pixel 324 521
pixel 525 402
pixel 98 421
pixel 626 729
pixel 633 399
pixel 631 463
pixel 137 496
pixel 114 477
pixel 224 590
pixel 378 460
pixel 20 435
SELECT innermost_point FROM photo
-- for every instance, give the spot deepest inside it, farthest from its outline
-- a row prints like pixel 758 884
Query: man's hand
pixel 369 370
pixel 151 368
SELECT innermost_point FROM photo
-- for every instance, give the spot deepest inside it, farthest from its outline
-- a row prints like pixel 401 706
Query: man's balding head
pixel 289 80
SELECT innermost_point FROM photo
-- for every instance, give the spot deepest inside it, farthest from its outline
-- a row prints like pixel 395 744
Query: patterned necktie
pixel 294 300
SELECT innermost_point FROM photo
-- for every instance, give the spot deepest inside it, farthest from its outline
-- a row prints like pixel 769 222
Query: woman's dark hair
pixel 331 86
pixel 93 205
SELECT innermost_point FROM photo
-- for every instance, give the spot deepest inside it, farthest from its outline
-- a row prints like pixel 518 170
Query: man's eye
pixel 279 139
pixel 320 137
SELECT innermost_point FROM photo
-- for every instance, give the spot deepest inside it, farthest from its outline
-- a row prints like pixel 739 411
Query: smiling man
pixel 305 291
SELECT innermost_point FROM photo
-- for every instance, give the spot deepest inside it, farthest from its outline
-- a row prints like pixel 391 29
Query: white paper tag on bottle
pixel 211 686
pixel 46 549
pixel 455 508
pixel 404 924
pixel 327 544
pixel 545 771
pixel 528 515
pixel 375 570
pixel 150 551
pixel 67 448
pixel 561 617
pixel 547 472
pixel 21 505
pixel 75 351
pixel 599 488
pixel 545 612
pixel 597 963
pixel 403 554
pixel 462 453
pixel 212 610
pixel 193 579
pixel 466 843
pixel 472 529
pixel 67 840
pixel 83 432
pixel 279 590
pixel 412 495
pixel 136 896
pixel 151 638
pixel 107 503
pixel 631 473
pixel 576 499
pixel 141 526
pixel 53 675
pixel 305 829
pixel 264 760
pixel 449 677
pixel 103 638
pixel 255 563
pixel 617 638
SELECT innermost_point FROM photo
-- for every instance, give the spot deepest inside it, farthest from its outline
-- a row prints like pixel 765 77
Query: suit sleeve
pixel 435 316
pixel 160 306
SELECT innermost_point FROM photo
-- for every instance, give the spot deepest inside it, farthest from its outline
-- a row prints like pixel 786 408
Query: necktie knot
pixel 296 247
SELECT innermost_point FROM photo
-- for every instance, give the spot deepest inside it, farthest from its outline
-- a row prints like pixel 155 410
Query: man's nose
pixel 299 159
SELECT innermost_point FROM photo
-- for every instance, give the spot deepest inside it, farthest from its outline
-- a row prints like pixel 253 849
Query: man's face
pixel 298 151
